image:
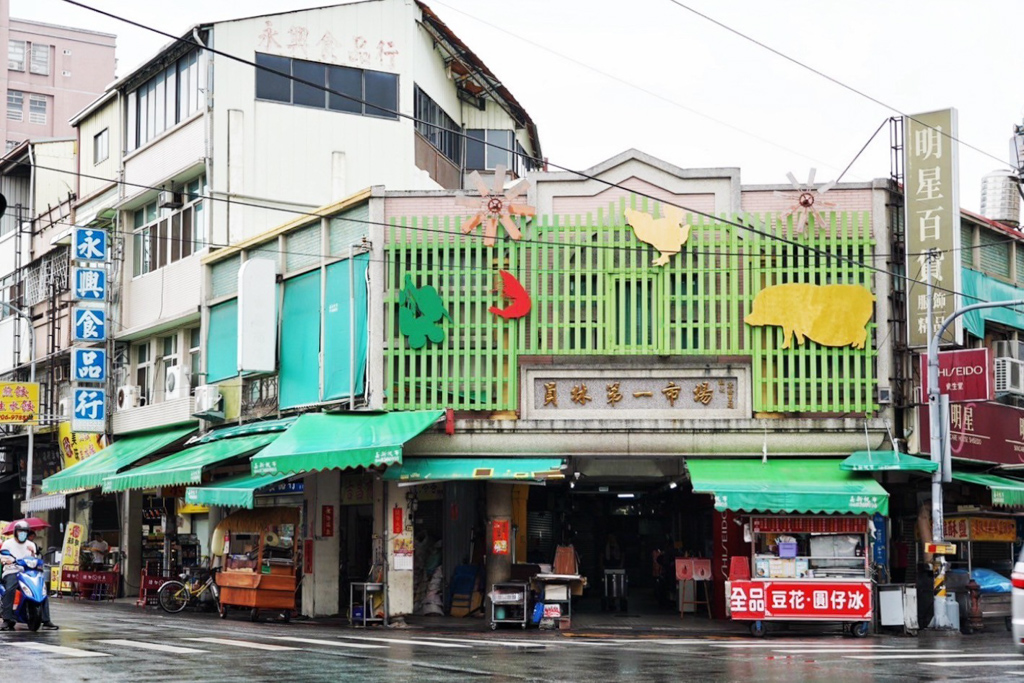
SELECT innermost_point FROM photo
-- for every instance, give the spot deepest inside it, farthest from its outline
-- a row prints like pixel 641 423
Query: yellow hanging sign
pixel 19 403
pixel 75 446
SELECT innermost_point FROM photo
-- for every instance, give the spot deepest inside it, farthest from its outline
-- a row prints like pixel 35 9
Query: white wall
pixel 56 180
pixel 320 589
pixel 288 152
pixel 162 296
pixel 107 116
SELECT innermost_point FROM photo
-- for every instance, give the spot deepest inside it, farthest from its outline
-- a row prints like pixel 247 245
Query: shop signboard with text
pixel 981 431
pixel 964 375
pixel 800 600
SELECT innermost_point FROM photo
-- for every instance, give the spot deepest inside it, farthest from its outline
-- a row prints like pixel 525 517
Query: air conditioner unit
pixel 1009 376
pixel 129 396
pixel 176 383
pixel 1004 349
pixel 209 403
pixel 169 200
pixel 64 408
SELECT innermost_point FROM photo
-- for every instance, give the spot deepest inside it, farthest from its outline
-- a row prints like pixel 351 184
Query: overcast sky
pixel 602 76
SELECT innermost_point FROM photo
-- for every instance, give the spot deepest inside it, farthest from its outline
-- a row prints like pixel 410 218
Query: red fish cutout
pixel 514 290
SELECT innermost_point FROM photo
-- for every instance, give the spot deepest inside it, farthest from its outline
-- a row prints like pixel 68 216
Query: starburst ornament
pixel 495 205
pixel 807 200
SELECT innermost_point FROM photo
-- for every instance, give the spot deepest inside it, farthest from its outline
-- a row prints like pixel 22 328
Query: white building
pixel 212 150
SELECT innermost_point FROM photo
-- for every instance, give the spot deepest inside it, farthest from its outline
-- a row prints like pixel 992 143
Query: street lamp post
pixel 31 378
pixel 938 435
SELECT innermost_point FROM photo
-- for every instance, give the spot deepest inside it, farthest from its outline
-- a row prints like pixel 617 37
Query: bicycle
pixel 174 596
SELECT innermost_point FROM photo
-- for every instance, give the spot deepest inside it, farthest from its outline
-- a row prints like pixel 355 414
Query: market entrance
pixel 627 521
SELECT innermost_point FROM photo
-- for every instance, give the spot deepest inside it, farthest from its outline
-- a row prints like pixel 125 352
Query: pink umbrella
pixel 34 524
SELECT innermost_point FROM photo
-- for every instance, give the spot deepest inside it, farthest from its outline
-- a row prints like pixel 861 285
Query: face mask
pixel 22 536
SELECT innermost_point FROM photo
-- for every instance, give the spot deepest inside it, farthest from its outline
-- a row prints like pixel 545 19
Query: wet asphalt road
pixel 107 643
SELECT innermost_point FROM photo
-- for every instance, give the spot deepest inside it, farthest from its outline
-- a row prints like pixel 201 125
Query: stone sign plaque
pixel 698 393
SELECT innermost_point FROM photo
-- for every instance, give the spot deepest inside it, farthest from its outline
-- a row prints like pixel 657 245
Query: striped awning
pixel 53 501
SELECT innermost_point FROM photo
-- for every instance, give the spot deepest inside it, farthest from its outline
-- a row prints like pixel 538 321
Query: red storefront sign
pixel 499 536
pixel 397 524
pixel 810 525
pixel 800 600
pixel 964 375
pixel 327 521
pixel 987 432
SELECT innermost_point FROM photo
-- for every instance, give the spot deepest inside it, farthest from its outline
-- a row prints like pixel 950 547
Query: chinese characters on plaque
pixel 932 222
pixel 639 393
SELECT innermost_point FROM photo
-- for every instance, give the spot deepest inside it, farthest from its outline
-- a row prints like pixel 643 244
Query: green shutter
pixel 222 342
pixel 966 244
pixel 995 253
pixel 299 382
pixel 224 277
pixel 338 368
pixel 349 228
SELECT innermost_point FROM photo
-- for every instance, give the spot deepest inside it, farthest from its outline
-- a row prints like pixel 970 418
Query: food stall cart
pixel 822 574
pixel 258 563
pixel 807 523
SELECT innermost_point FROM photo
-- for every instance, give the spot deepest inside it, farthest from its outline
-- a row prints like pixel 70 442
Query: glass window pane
pixel 151 212
pixel 475 159
pixel 170 78
pixel 186 232
pixel 137 254
pixel 183 89
pixel 347 82
pixel 306 94
pixel 161 236
pixel 499 146
pixel 380 89
pixel 175 237
pixel 195 338
pixel 194 97
pixel 159 122
pixel 133 133
pixel 199 227
pixel 272 86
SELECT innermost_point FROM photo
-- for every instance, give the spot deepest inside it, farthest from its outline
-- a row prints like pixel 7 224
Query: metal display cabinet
pixel 360 604
pixel 510 604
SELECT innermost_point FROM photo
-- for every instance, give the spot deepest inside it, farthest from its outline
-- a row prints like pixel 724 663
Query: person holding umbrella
pixel 17 548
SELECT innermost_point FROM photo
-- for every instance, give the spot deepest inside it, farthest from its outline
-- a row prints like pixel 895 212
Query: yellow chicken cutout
pixel 667 234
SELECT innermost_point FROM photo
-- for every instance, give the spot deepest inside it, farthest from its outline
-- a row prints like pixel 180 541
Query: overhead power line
pixel 319 86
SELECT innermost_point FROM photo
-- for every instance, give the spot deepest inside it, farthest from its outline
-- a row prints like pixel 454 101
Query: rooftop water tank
pixel 999 198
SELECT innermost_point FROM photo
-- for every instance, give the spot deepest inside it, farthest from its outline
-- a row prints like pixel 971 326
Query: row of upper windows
pixel 162 236
pixel 166 99
pixel 363 92
pixel 37 107
pixel 38 54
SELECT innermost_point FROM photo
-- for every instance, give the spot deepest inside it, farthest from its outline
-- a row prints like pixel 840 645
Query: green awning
pixel 454 469
pixel 234 492
pixel 884 461
pixel 1005 492
pixel 320 441
pixel 124 452
pixel 791 485
pixel 247 429
pixel 185 467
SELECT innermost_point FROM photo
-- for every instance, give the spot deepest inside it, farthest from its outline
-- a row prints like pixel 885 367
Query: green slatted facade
pixel 595 294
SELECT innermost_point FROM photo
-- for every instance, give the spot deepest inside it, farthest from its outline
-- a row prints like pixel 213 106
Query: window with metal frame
pixel 165 100
pixel 355 91
pixel 16 55
pixel 162 237
pixel 101 146
pixel 439 129
pixel 40 59
pixel 15 105
pixel 486 149
pixel 144 369
pixel 37 109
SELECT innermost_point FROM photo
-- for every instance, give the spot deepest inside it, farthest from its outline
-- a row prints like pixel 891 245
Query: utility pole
pixel 938 431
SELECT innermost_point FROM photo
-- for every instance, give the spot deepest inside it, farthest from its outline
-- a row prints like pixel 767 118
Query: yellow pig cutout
pixel 832 315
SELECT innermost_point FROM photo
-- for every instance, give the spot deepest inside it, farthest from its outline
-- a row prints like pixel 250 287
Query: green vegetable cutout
pixel 422 310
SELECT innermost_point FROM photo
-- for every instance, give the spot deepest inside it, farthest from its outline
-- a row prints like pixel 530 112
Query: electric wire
pixel 581 174
pixel 831 79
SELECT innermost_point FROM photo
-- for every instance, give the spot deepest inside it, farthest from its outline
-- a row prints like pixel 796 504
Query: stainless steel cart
pixel 510 604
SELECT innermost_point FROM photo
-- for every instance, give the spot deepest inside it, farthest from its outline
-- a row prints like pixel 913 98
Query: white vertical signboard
pixel 931 190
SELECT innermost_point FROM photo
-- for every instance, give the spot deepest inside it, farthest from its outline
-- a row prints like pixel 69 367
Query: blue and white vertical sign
pixel 90 254
pixel 88 410
pixel 89 244
pixel 89 284
pixel 88 365
pixel 89 324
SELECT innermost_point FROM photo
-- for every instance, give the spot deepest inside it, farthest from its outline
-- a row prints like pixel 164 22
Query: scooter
pixel 31 592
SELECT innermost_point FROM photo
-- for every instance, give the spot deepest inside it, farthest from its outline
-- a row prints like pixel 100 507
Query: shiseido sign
pixel 964 375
